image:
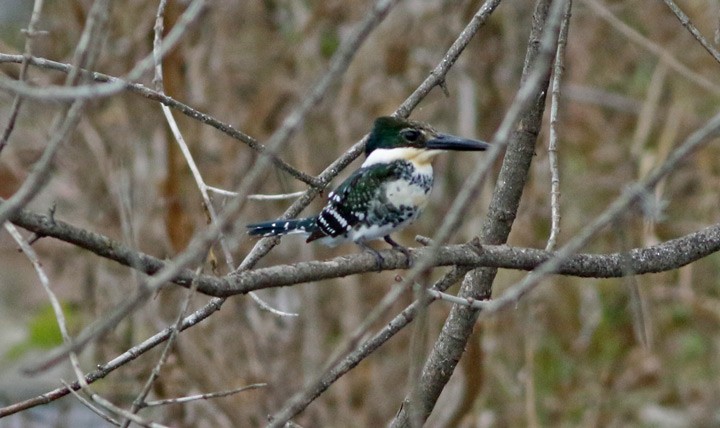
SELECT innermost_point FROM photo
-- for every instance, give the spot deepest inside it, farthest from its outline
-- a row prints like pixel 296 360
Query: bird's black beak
pixel 451 142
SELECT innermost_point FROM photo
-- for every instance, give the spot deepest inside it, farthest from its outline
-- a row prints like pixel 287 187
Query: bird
pixel 386 194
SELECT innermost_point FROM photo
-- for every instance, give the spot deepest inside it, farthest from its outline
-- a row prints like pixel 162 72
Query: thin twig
pixel 437 75
pixel 172 103
pixel 87 92
pixel 117 362
pixel 30 34
pixel 439 295
pixel 93 408
pixel 223 192
pixel 54 302
pixel 185 150
pixel 558 70
pixel 139 401
pixel 685 21
pixel 259 197
pixel 124 413
pixel 206 396
pixel 634 36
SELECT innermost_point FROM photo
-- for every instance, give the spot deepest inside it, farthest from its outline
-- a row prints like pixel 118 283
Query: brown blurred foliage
pixel 568 355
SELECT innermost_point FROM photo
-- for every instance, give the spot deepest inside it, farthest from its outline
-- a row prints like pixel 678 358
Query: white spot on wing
pixel 339 218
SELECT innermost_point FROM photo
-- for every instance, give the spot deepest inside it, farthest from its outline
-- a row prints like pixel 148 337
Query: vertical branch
pixel 199 181
pixel 530 330
pixel 450 345
pixel 558 70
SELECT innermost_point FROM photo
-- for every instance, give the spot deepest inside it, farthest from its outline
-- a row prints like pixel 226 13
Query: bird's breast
pixel 412 191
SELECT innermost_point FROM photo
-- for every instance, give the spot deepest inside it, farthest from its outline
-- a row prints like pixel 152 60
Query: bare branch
pixel 302 398
pixel 153 95
pixel 630 195
pixel 685 21
pixel 117 362
pixel 17 102
pixel 666 256
pixel 93 408
pixel 451 343
pixel 275 197
pixel 124 413
pixel 206 396
pixel 54 302
pixel 700 80
pixel 87 92
pixel 558 70
pixel 201 241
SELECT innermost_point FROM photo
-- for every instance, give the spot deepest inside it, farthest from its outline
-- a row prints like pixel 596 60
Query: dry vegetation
pixel 636 351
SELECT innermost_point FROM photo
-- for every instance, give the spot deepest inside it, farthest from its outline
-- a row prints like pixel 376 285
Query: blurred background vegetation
pixel 574 352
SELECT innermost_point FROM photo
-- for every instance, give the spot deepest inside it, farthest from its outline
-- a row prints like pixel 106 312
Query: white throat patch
pixel 416 156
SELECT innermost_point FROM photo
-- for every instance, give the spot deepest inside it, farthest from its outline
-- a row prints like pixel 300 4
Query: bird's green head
pixel 395 133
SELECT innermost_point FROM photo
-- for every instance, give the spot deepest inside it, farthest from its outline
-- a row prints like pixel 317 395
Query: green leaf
pixel 43 331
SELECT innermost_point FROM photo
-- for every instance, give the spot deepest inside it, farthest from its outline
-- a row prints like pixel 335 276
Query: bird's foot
pixel 400 248
pixel 378 258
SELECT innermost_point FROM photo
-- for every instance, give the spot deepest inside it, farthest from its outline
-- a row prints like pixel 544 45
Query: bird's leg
pixel 399 247
pixel 378 258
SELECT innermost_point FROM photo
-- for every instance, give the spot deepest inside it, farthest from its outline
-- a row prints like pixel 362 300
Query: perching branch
pixel 668 255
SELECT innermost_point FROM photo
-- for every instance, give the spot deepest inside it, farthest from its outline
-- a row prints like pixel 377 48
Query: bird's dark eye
pixel 411 135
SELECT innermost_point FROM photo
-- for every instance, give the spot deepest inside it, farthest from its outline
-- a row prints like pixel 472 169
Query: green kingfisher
pixel 387 193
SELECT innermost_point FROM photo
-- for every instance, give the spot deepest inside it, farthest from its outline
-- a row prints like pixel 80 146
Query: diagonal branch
pixel 183 108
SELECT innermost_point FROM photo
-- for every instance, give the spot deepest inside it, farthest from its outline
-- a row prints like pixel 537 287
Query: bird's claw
pixel 400 248
pixel 378 258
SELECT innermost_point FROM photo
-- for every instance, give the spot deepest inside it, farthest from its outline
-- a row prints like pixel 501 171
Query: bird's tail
pixel 283 227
